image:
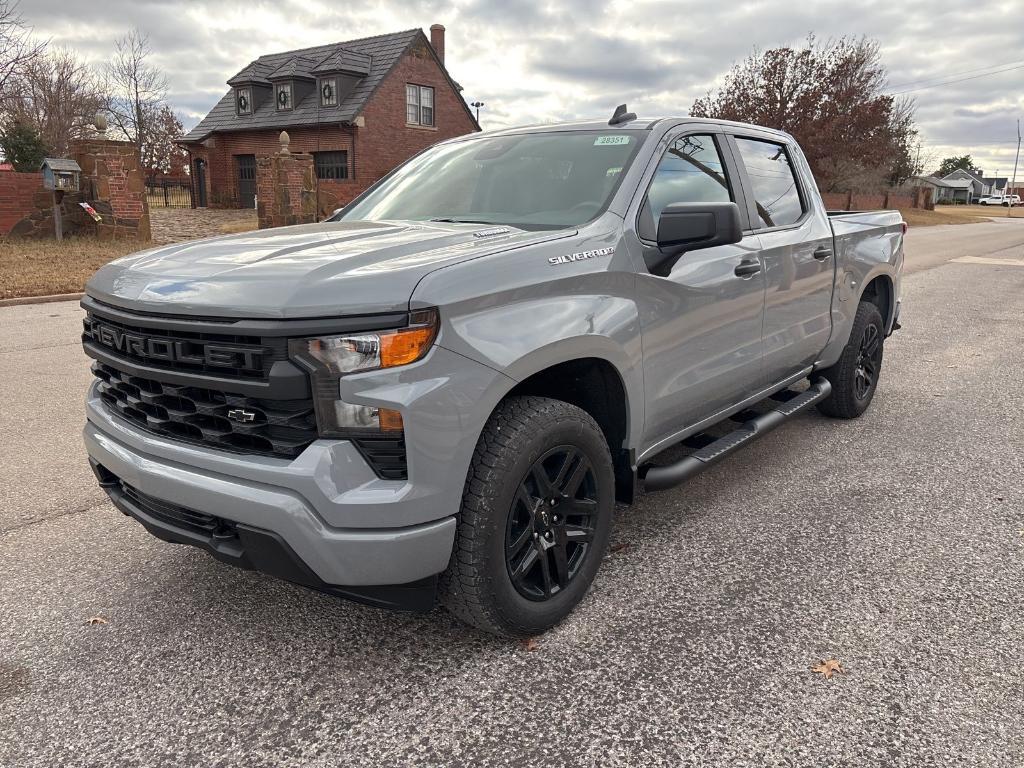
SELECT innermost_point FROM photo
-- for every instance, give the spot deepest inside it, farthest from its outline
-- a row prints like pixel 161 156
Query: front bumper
pixel 252 548
pixel 314 553
pixel 345 525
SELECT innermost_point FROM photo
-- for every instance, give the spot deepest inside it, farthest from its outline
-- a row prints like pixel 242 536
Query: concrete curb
pixel 40 299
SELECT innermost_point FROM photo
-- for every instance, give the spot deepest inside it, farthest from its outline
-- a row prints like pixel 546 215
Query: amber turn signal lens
pixel 405 346
pixel 390 421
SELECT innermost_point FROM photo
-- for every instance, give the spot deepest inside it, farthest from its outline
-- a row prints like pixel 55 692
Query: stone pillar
pixel 112 181
pixel 285 188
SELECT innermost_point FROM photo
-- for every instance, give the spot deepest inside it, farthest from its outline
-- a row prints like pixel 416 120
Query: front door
pixel 200 185
pixel 246 166
pixel 799 265
pixel 701 323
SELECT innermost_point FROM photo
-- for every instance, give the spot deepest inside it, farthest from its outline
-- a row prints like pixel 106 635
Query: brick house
pixel 360 107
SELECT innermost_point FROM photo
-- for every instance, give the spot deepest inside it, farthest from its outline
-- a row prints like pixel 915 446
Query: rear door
pixel 245 165
pixel 701 323
pixel 796 251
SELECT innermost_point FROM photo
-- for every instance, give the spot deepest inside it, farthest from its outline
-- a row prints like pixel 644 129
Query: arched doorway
pixel 200 185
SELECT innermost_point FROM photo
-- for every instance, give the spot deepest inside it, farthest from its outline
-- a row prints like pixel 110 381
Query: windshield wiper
pixel 449 220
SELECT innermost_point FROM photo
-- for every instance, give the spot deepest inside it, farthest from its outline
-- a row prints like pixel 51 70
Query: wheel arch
pixel 880 291
pixel 597 386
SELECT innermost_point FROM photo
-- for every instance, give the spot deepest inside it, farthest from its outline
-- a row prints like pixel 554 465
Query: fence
pixel 851 201
pixel 169 193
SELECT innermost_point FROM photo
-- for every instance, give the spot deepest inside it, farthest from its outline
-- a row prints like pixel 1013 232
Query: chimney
pixel 437 40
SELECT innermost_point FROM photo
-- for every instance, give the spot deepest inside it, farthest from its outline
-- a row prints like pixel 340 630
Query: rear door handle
pixel 822 252
pixel 747 268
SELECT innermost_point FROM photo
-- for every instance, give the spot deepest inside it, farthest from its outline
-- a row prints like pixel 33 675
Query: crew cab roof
pixel 641 123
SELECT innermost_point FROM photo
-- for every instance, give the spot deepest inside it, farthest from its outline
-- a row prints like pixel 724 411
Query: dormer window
pixel 329 92
pixel 243 101
pixel 283 96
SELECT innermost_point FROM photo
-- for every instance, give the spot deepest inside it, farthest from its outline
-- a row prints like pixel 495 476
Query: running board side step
pixel 671 475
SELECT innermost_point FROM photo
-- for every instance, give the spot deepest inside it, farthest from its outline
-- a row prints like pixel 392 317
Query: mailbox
pixel 60 174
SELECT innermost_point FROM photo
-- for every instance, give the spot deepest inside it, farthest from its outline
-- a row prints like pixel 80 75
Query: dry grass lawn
pixel 958 214
pixel 43 267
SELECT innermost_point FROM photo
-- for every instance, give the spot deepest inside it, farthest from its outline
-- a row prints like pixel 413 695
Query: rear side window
pixel 690 172
pixel 773 181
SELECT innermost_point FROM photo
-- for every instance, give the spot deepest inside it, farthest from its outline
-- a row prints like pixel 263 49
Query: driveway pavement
pixel 894 543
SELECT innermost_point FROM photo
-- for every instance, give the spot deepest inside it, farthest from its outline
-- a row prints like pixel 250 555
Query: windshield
pixel 532 181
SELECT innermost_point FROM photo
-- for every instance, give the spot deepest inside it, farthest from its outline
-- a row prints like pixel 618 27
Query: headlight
pixel 328 358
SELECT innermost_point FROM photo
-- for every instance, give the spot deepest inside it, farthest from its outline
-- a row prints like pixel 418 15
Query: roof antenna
pixel 621 116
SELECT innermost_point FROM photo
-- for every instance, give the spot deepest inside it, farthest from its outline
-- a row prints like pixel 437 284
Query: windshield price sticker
pixel 610 141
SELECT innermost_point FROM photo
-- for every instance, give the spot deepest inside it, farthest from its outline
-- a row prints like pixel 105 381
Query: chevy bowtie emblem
pixel 242 415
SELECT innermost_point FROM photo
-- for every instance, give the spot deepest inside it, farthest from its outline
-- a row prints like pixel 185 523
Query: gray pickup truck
pixel 440 393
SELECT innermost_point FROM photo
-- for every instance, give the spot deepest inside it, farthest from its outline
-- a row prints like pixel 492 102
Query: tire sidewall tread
pixel 476 587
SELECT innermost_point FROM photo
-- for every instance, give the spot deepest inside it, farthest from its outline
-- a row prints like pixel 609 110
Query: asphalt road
pixel 894 544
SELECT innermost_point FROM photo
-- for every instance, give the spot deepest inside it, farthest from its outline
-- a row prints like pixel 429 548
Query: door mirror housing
pixel 686 227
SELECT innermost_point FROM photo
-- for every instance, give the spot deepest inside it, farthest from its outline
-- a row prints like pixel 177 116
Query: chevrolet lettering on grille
pixel 173 350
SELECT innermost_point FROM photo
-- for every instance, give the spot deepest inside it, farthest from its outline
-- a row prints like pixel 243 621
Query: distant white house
pixel 981 185
pixel 952 191
pixel 960 186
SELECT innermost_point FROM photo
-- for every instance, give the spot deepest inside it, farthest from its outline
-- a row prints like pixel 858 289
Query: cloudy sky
pixel 557 59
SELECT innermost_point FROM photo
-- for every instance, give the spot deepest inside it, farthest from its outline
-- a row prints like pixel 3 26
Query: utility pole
pixel 477 104
pixel 1013 184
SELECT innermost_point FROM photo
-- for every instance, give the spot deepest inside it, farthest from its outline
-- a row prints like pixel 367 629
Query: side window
pixel 690 172
pixel 773 181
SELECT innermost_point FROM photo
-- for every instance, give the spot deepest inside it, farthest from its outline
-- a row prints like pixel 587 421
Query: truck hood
pixel 313 270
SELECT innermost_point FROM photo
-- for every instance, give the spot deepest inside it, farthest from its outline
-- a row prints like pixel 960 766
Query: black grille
pixel 209 417
pixel 385 455
pixel 180 517
pixel 186 351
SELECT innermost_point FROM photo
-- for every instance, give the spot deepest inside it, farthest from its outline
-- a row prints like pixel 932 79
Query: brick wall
pixel 286 190
pixel 221 149
pixel 843 201
pixel 112 173
pixel 17 197
pixel 373 150
pixel 387 140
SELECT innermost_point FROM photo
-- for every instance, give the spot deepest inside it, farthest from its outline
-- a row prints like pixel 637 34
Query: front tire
pixel 854 378
pixel 535 518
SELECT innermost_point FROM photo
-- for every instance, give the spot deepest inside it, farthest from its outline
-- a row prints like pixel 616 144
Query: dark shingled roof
pixel 377 55
pixel 296 67
pixel 344 60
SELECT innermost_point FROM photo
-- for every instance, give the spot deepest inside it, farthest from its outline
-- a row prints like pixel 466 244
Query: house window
pixel 419 105
pixel 329 92
pixel 331 165
pixel 243 101
pixel 283 95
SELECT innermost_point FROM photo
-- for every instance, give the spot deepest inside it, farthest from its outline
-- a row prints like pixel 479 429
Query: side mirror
pixel 686 227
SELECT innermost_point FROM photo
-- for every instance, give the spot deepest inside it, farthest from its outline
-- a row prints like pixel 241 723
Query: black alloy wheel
pixel 869 359
pixel 551 523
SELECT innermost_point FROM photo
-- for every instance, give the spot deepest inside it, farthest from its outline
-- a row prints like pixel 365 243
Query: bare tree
pixel 160 155
pixel 135 88
pixel 58 95
pixel 17 48
pixel 831 97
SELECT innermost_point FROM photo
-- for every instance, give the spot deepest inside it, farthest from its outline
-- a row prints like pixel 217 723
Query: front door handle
pixel 822 252
pixel 747 268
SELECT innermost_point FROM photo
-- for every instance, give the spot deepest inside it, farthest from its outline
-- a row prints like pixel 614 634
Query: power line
pixel 959 80
pixel 957 74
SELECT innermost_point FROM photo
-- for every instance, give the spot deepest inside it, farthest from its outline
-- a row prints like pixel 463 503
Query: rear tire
pixel 854 377
pixel 521 564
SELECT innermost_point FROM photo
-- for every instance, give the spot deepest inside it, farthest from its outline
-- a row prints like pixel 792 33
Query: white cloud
pixel 538 61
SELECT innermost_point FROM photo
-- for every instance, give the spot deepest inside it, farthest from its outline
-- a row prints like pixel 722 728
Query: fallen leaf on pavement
pixel 530 644
pixel 617 547
pixel 96 620
pixel 827 667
